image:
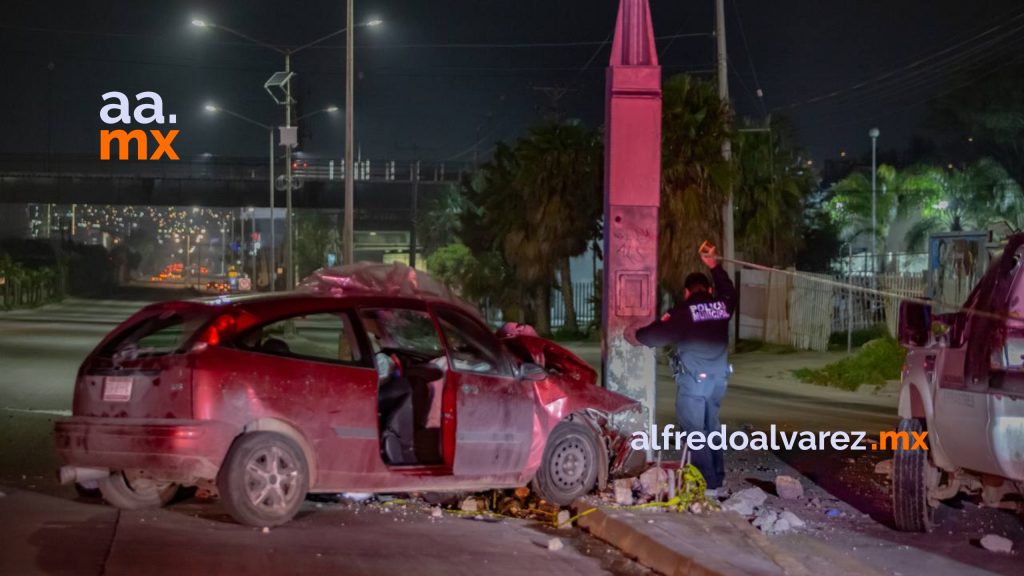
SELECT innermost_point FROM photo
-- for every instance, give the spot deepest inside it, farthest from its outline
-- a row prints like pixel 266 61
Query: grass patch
pixel 743 346
pixel 837 341
pixel 878 360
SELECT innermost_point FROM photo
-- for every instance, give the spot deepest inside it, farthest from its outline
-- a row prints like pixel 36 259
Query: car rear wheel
pixel 264 479
pixel 135 494
pixel 912 476
pixel 569 467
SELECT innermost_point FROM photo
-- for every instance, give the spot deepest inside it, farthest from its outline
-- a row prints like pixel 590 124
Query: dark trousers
pixel 698 401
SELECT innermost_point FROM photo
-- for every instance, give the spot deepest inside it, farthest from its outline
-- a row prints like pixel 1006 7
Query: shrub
pixel 837 341
pixel 878 360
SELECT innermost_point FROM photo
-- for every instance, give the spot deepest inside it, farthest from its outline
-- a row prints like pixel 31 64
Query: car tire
pixel 911 472
pixel 568 469
pixel 139 494
pixel 264 479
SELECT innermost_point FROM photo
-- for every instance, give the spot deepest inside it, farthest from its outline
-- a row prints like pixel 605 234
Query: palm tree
pixel 695 178
pixel 561 178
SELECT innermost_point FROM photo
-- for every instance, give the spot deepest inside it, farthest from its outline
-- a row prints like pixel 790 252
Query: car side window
pixel 401 329
pixel 471 347
pixel 324 336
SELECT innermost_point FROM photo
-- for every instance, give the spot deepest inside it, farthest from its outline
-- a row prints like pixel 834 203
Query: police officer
pixel 698 328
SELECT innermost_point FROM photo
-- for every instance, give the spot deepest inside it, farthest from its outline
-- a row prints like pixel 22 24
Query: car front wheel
pixel 913 475
pixel 135 494
pixel 569 467
pixel 264 479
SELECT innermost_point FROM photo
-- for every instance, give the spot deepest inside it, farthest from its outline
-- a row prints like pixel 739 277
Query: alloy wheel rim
pixel 272 480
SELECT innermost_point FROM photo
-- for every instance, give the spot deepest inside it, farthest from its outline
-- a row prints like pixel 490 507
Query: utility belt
pixel 678 369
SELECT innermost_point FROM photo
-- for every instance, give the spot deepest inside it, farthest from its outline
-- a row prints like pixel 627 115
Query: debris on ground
pixel 744 501
pixel 654 482
pixel 357 496
pixel 884 467
pixel 623 488
pixel 833 513
pixel 471 504
pixel 555 544
pixel 788 488
pixel 266 530
pixel 564 519
pixel 996 543
pixel 436 512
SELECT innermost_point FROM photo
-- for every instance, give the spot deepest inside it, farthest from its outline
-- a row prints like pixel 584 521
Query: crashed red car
pixel 345 386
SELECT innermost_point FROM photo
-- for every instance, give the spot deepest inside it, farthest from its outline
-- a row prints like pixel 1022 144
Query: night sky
pixel 443 78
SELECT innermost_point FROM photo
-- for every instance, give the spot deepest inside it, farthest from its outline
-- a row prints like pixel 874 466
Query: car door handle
pixel 469 389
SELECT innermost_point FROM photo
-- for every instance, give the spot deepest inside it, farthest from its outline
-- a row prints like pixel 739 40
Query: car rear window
pixel 157 335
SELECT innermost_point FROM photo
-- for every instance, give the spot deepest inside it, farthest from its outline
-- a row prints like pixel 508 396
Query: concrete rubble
pixel 555 544
pixel 772 522
pixel 884 467
pixel 996 543
pixel 745 501
pixel 623 490
pixel 788 488
pixel 654 482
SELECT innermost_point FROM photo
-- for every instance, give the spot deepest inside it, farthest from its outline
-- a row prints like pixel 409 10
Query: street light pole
pixel 874 133
pixel 349 139
pixel 289 272
pixel 273 223
pixel 348 232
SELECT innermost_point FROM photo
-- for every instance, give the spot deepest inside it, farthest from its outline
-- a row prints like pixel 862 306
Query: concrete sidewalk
pixel 717 543
pixel 726 544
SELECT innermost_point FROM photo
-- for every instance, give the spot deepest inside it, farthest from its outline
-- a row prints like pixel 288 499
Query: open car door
pixel 493 409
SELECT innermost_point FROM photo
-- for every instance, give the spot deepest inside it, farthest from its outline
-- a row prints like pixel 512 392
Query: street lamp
pixel 283 81
pixel 273 234
pixel 874 133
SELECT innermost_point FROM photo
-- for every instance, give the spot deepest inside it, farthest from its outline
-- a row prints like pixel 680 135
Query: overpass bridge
pixel 386 192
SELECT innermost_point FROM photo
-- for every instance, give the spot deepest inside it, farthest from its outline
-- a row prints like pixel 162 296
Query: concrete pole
pixel 273 224
pixel 728 233
pixel 348 233
pixel 289 236
pixel 631 200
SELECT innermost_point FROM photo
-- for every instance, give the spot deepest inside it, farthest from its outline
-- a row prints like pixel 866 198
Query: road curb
pixel 688 558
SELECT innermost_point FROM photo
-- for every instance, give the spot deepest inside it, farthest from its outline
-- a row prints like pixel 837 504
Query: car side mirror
pixel 531 372
pixel 915 324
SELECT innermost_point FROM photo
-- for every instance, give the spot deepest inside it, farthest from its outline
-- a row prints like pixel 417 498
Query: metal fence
pixel 865 310
pixel 583 300
pixel 30 292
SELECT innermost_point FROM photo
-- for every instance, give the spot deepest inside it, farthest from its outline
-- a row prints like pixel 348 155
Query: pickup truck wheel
pixel 264 479
pixel 912 475
pixel 137 494
pixel 568 469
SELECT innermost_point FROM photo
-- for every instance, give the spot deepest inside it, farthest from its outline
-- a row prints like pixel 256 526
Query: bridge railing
pixel 223 168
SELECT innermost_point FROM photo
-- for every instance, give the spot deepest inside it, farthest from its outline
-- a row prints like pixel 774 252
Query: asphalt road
pixel 57 533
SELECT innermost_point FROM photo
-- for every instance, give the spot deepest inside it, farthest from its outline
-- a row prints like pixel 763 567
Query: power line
pixel 907 67
pixel 750 60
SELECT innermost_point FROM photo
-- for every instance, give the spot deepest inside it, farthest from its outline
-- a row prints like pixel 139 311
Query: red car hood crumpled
pixel 394 279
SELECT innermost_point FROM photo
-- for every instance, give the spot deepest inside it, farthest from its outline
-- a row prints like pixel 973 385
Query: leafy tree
pixel 537 204
pixel 695 178
pixel 771 189
pixel 438 225
pixel 984 118
pixel 930 198
pixel 316 235
pixel 561 178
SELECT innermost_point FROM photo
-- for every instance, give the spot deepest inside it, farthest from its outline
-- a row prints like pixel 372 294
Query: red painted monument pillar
pixel 631 198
